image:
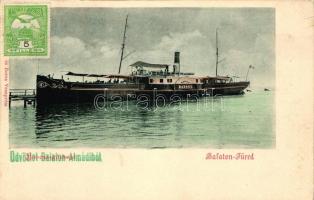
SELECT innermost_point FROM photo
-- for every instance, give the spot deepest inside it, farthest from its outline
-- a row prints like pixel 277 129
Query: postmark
pixel 26 30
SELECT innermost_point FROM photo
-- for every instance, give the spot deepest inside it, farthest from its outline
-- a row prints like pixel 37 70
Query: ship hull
pixel 58 91
pixel 226 88
pixel 54 96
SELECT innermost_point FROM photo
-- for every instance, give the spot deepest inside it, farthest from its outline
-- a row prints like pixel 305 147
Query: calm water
pixel 231 122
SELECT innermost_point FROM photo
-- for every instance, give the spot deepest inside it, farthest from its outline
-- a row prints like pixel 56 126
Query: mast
pixel 123 43
pixel 217 53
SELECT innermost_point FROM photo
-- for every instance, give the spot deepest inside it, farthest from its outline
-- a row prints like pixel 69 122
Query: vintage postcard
pixel 156 100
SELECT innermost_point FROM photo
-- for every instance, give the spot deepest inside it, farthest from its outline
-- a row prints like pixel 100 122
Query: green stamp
pixel 26 30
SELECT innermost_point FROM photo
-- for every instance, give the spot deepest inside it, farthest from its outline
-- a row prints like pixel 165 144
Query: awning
pixel 215 78
pixel 144 64
pixel 99 75
pixel 75 74
pixel 117 76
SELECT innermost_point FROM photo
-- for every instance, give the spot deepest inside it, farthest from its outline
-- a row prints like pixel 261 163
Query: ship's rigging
pixel 123 43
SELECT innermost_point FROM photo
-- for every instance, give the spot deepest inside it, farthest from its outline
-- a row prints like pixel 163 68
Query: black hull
pixel 56 91
pixel 226 89
pixel 54 96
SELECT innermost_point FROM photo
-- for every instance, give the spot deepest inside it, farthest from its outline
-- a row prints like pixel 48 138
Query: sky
pixel 88 40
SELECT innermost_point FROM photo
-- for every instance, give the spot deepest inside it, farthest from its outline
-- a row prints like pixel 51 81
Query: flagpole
pixel 247 73
pixel 217 52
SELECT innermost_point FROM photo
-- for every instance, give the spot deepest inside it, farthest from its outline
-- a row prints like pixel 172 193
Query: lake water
pixel 246 121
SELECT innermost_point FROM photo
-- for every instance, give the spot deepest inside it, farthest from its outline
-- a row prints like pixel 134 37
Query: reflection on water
pixel 243 122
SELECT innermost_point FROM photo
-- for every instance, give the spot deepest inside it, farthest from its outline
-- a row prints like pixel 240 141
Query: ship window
pixel 196 80
pixel 151 80
pixel 161 80
pixel 169 80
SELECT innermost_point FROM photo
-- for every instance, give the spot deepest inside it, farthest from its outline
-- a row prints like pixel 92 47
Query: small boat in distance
pixel 145 79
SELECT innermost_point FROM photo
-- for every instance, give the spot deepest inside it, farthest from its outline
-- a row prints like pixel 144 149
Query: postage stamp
pixel 25 30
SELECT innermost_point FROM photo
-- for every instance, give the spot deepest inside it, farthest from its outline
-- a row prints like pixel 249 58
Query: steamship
pixel 145 79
